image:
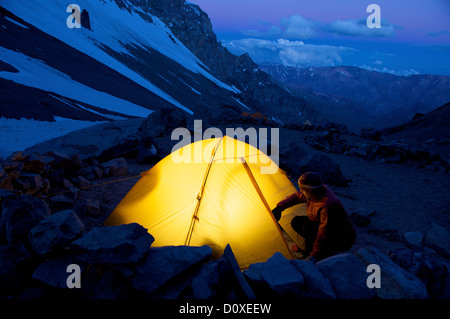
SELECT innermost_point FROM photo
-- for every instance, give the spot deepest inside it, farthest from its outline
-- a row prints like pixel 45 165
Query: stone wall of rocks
pixel 38 246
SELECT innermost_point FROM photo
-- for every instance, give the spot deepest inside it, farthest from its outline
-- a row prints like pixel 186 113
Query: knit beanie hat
pixel 310 181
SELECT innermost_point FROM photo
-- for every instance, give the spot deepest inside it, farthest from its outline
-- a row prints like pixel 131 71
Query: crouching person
pixel 327 229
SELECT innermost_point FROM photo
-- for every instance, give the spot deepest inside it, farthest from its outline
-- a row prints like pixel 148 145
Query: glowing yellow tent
pixel 213 192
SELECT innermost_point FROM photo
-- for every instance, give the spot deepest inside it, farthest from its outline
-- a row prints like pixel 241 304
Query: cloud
pixel 288 52
pixel 439 33
pixel 359 28
pixel 393 72
pixel 297 27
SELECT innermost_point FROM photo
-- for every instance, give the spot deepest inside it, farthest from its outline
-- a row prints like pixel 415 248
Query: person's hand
pixel 277 212
pixel 311 258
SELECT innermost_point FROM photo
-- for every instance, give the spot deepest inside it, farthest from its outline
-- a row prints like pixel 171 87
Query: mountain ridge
pixel 386 99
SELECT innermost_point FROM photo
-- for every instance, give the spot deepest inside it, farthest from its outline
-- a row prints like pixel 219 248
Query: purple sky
pixel 414 37
pixel 414 18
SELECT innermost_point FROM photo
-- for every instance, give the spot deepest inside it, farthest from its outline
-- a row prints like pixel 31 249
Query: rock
pixel 5 194
pixel 92 207
pixel 6 182
pixel 63 161
pixel 115 244
pixel 53 271
pixel 148 156
pixel 127 147
pixel 102 282
pixel 31 183
pixel 323 165
pixel 21 214
pixel 396 283
pixel 116 167
pixel 101 137
pixel 98 172
pixel 291 158
pixel 371 134
pixel 17 156
pixel 55 232
pixel 213 281
pixel 221 278
pixel 161 264
pixel 83 182
pixel 60 202
pixel 413 239
pixel 438 238
pixel 34 163
pixel 347 275
pixel 360 220
pixel 161 123
pixel 282 277
pixel 316 285
pixel 11 278
pixel 253 274
pixel 426 267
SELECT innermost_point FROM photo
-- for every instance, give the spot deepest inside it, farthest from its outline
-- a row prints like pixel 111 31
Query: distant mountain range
pixel 358 97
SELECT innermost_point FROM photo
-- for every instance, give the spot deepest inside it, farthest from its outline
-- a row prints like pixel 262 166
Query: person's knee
pixel 297 224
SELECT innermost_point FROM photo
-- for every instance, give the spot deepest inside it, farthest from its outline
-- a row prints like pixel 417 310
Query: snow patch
pixel 32 71
pixel 16 23
pixel 18 135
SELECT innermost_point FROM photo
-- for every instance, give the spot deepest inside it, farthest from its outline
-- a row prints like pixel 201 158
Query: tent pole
pixel 261 195
pixel 200 195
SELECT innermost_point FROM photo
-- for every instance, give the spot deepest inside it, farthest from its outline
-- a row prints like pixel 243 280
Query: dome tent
pixel 213 192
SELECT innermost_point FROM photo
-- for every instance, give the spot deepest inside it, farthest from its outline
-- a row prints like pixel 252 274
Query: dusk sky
pixel 414 36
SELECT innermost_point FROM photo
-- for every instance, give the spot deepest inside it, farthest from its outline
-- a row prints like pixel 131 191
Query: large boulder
pixel 281 276
pixel 291 158
pixel 413 239
pixel 428 267
pixel 438 238
pixel 115 244
pixel 161 123
pixel 221 278
pixel 11 277
pixel 331 172
pixel 275 278
pixel 253 275
pixel 102 137
pixel 55 271
pixel 116 167
pixel 162 264
pixel 55 231
pixel 347 275
pixel 396 283
pixel 316 285
pixel 20 214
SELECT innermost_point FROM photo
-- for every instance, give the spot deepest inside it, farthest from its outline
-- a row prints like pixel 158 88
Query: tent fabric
pixel 209 179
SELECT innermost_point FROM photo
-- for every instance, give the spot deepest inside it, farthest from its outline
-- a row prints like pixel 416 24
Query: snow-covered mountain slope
pixel 128 65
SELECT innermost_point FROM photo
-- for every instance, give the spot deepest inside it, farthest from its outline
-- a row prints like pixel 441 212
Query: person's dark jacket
pixel 335 232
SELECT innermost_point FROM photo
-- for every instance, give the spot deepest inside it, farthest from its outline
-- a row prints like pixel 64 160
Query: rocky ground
pixel 396 196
